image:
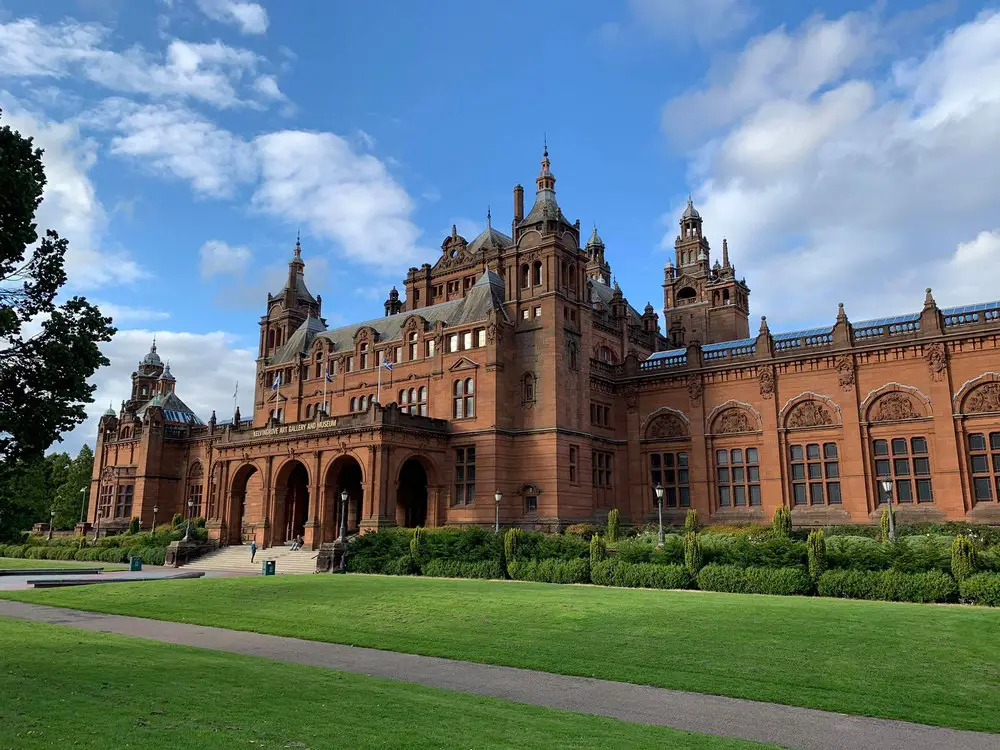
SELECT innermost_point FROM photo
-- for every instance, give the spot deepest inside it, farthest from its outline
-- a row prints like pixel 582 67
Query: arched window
pixel 528 388
pixel 270 415
pixel 309 410
pixel 354 403
pixel 574 356
pixel 525 276
pixel 572 277
pixel 195 489
pixel 270 339
pixel 606 355
pixel 404 401
pixel 686 296
pixel 422 401
pixel 464 397
pixel 536 273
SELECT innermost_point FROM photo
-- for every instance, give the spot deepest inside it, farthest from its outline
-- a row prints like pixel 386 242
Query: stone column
pixel 313 534
pixel 264 532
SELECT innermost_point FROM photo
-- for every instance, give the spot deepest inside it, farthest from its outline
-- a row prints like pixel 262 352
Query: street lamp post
pixel 156 509
pixel 187 533
pixel 887 487
pixel 83 505
pixel 52 520
pixel 497 497
pixel 343 514
pixel 659 507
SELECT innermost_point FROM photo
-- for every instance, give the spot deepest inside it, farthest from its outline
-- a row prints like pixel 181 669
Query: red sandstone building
pixel 518 366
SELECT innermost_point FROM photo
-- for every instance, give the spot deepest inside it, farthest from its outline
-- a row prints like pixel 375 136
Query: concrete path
pixel 19 580
pixel 791 727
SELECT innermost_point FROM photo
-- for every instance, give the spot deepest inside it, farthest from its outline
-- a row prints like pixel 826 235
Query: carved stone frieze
pixel 809 414
pixel 893 407
pixel 695 388
pixel 733 420
pixel 985 398
pixel 845 372
pixel 631 397
pixel 937 360
pixel 766 380
pixel 665 427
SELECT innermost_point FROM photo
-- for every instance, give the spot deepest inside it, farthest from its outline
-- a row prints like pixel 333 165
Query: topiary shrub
pixel 640 575
pixel 598 549
pixel 883 523
pixel 418 547
pixel 691 521
pixel 981 588
pixel 133 526
pixel 693 557
pixel 737 580
pixel 782 522
pixel 816 550
pixel 888 585
pixel 550 571
pixel 177 521
pixel 614 525
pixel 511 545
pixel 964 558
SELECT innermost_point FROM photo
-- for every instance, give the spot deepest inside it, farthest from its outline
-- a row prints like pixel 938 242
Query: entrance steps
pixel 236 557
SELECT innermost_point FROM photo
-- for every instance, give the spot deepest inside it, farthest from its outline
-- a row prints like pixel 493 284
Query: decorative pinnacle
pixel 489 218
pixel 929 299
pixel 764 330
pixel 298 244
pixel 841 315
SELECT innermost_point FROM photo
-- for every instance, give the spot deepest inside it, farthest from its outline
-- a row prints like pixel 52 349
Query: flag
pixel 276 383
pixel 329 377
pixel 387 364
pixel 236 392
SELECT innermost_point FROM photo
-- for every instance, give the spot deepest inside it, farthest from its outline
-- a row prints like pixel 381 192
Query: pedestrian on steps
pixel 253 550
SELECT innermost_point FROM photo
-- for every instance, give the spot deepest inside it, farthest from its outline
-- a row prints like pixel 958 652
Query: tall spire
pixel 546 180
pixel 489 218
pixel 298 245
pixel 725 253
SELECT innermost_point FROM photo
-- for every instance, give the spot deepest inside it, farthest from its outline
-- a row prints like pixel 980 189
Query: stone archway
pixel 245 490
pixel 291 506
pixel 411 494
pixel 344 473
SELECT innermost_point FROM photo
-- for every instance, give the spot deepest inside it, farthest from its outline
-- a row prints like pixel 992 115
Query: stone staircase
pixel 237 558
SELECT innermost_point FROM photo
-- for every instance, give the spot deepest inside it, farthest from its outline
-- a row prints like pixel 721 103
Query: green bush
pixel 562 547
pixel 13 550
pixel 551 571
pixel 782 521
pixel 133 526
pixel 693 558
pixel 964 558
pixel 981 588
pixel 888 585
pixel 816 549
pixel 469 544
pixel 883 522
pixel 614 525
pixel 488 569
pixel 640 575
pixel 634 551
pixel 511 544
pixel 598 549
pixel 372 553
pixel 672 551
pixel 736 580
pixel 585 531
pixel 418 547
pixel 401 566
pixel 177 521
pixel 691 521
pixel 857 553
pixel 442 569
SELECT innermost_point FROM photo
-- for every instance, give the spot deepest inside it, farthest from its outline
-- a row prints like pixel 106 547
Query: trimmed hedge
pixel 151 555
pixel 888 585
pixel 550 571
pixel 736 580
pixel 982 588
pixel 490 569
pixel 640 575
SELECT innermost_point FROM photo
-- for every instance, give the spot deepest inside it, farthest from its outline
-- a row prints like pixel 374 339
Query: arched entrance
pixel 246 491
pixel 291 507
pixel 344 474
pixel 411 495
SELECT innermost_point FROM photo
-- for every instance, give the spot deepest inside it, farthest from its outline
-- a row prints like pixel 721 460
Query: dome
pixel 152 358
pixel 166 375
pixel 109 412
pixel 595 239
pixel 690 212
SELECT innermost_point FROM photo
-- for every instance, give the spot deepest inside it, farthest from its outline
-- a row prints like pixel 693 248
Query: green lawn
pixel 69 688
pixel 16 563
pixel 924 663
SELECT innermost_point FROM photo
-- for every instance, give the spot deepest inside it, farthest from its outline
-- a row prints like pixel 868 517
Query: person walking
pixel 253 550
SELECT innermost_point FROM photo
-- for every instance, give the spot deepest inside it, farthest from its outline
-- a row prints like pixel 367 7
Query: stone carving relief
pixel 733 420
pixel 809 414
pixel 666 427
pixel 937 360
pixel 695 388
pixel 984 398
pixel 766 380
pixel 631 397
pixel 108 473
pixel 894 407
pixel 845 372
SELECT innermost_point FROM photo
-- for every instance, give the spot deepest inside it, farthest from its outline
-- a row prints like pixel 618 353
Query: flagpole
pixel 236 394
pixel 378 393
pixel 326 377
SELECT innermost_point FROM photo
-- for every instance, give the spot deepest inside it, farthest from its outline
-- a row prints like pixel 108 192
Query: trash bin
pixel 135 563
pixel 268 567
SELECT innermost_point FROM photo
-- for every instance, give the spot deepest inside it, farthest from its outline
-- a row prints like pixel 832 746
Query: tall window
pixel 574 453
pixel 123 507
pixel 908 465
pixel 525 276
pixel 480 337
pixel 413 345
pixel 465 475
pixel 600 415
pixel 453 343
pixel 815 471
pixel 464 399
pixel 309 410
pixel 414 401
pixel 528 388
pixel 670 471
pixel 104 502
pixel 602 469
pixel 363 349
pixel 738 474
pixel 536 273
pixel 430 348
pixel 194 494
pixel 467 340
pixel 984 459
pixel 349 364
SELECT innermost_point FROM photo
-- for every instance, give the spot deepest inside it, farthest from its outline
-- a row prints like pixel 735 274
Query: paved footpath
pixel 788 726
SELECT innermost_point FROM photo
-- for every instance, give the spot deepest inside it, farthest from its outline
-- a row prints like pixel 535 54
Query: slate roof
pixel 604 293
pixel 490 238
pixel 301 292
pixel 175 411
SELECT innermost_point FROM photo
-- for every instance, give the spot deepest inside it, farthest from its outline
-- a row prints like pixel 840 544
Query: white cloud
pixel 206 366
pixel 70 205
pixel 213 73
pixel 829 182
pixel 250 17
pixel 218 258
pixel 318 180
pixel 124 314
pixel 704 22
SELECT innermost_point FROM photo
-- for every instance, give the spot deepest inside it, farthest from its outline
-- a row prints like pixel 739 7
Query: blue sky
pixel 846 150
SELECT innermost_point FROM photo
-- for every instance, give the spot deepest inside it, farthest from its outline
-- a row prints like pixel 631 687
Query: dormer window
pixel 363 349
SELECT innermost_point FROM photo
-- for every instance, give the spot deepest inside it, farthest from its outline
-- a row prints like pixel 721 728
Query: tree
pixel 43 374
pixel 72 495
pixel 25 495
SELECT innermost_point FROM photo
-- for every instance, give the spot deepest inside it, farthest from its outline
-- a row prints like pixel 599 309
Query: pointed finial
pixel 454 231
pixel 841 315
pixel 489 218
pixel 929 299
pixel 725 253
pixel 764 330
pixel 545 145
pixel 298 245
pixel 153 347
